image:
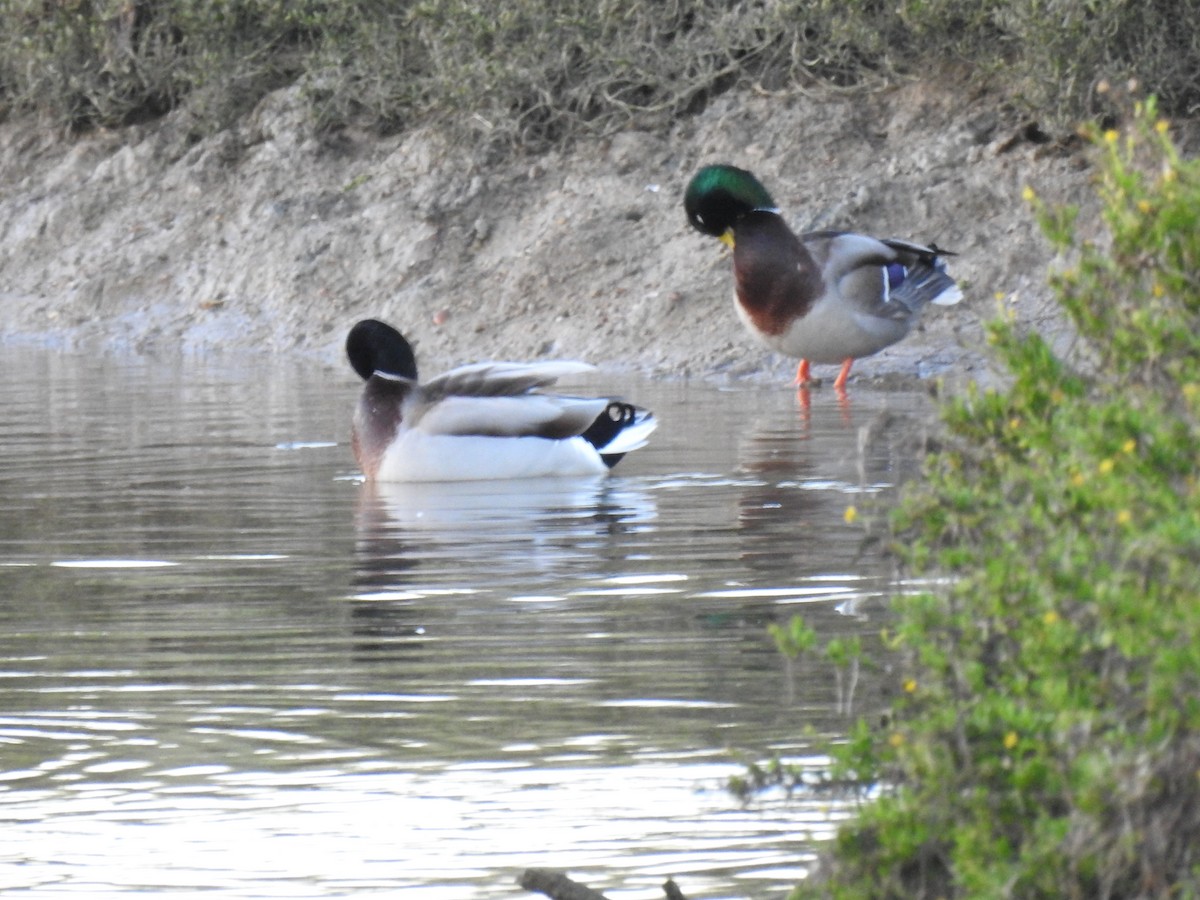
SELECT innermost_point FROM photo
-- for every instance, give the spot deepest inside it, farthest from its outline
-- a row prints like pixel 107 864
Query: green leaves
pixel 1065 653
pixel 530 72
pixel 793 638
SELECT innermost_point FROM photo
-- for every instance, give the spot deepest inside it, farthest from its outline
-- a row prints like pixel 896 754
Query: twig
pixel 556 885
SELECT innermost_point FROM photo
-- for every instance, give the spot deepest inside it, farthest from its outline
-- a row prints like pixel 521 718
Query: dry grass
pixel 524 73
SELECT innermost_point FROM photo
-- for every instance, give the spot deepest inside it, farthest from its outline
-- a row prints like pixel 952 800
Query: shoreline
pixel 270 238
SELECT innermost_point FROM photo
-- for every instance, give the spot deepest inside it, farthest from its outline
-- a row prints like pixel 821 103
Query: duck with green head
pixel 822 297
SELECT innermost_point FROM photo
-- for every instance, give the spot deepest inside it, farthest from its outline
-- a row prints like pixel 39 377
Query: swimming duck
pixel 479 421
pixel 825 296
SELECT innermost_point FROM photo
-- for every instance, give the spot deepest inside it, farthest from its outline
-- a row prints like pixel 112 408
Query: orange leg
pixel 802 375
pixel 840 381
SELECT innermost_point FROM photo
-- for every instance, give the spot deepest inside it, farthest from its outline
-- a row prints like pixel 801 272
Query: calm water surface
pixel 229 667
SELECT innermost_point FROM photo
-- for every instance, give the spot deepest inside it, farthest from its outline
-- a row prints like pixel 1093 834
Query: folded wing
pixel 500 379
pixel 527 415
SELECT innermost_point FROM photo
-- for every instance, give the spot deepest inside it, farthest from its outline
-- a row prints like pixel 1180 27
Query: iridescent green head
pixel 719 195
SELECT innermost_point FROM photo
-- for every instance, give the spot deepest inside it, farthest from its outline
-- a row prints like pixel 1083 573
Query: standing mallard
pixel 822 297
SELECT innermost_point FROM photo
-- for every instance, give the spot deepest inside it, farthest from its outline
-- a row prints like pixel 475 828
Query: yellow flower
pixel 1161 126
pixel 1106 466
pixel 1028 194
pixel 1129 446
pixel 850 515
pixel 1158 290
pixel 1050 618
pixel 896 739
pixel 1110 136
pixel 910 685
pixel 1010 740
pixel 1077 480
pixel 1144 206
pixel 1124 517
pixel 1014 423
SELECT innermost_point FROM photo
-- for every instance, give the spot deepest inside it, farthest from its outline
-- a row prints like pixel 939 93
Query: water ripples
pixel 228 665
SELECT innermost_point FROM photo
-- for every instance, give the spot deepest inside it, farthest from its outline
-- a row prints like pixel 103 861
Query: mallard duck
pixel 479 421
pixel 822 297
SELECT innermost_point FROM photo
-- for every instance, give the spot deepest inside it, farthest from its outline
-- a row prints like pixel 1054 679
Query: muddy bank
pixel 268 237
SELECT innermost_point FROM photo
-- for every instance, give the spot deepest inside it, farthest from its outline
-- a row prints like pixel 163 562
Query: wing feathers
pixel 848 250
pixel 501 379
pixel 528 415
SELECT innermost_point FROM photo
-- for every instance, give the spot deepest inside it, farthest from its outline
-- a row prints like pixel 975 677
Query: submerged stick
pixel 556 885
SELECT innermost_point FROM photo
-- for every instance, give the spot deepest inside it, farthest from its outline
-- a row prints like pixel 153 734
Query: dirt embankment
pixel 267 237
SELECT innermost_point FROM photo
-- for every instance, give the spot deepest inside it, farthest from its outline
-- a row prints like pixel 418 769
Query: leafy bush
pixel 1053 54
pixel 527 72
pixel 1047 739
pixel 112 62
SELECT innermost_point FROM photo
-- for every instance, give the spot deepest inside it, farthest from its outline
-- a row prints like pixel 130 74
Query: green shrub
pixel 1053 54
pixel 113 62
pixel 521 73
pixel 1047 743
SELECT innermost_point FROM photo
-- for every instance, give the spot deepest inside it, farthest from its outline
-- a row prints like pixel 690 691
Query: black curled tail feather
pixel 616 416
pixel 605 433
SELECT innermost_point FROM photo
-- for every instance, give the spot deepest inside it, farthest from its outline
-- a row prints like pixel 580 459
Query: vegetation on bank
pixel 1046 739
pixel 528 72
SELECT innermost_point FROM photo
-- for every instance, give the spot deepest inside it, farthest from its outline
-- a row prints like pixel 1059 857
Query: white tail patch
pixel 949 296
pixel 631 437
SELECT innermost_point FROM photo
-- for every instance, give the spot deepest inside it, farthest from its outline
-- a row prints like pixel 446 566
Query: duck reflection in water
pixel 802 483
pixel 830 464
pixel 793 517
pixel 422 548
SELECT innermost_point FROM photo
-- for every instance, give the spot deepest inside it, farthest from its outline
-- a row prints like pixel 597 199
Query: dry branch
pixel 557 886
